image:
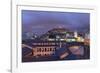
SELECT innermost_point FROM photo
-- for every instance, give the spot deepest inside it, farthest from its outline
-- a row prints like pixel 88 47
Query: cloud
pixel 42 21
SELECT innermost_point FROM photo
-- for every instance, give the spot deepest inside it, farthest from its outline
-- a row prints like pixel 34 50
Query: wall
pixel 5 35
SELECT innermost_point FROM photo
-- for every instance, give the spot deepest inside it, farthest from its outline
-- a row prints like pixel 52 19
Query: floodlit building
pixel 58 34
pixel 48 43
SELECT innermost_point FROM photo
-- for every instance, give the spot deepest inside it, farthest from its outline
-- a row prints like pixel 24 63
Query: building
pixel 54 39
pixel 57 34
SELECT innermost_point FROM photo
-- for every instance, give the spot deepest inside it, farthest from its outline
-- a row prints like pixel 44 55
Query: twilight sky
pixel 39 22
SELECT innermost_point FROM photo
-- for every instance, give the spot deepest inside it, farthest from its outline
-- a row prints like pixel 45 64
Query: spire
pixel 75 34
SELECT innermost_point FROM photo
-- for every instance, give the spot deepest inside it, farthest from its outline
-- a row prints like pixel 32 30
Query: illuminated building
pixel 48 43
pixel 58 34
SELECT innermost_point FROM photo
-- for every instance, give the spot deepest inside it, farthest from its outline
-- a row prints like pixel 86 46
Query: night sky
pixel 39 22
